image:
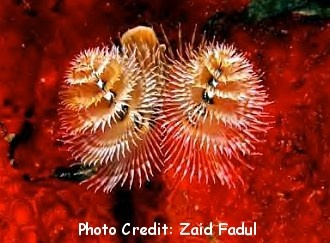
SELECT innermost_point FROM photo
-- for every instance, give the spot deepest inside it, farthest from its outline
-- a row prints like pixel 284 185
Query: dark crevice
pixel 28 10
pixel 220 24
pixel 24 135
pixel 56 8
pixel 123 210
pixel 75 173
pixel 160 219
pixel 7 102
pixel 156 187
pixel 29 112
pixel 26 177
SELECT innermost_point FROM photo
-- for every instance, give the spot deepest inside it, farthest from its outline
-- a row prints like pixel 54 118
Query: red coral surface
pixel 287 193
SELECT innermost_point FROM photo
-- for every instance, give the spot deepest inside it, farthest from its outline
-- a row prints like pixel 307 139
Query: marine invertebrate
pixel 213 110
pixel 109 103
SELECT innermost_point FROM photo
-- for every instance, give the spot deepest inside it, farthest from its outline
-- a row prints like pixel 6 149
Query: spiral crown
pixel 109 103
pixel 214 110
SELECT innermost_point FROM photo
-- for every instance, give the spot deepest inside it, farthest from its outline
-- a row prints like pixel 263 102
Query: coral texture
pixel 287 193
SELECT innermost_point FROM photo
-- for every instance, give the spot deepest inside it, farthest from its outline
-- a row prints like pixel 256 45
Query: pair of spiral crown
pixel 131 110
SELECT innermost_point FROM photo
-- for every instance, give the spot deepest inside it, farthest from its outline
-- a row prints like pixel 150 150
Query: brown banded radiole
pixel 109 106
pixel 213 110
